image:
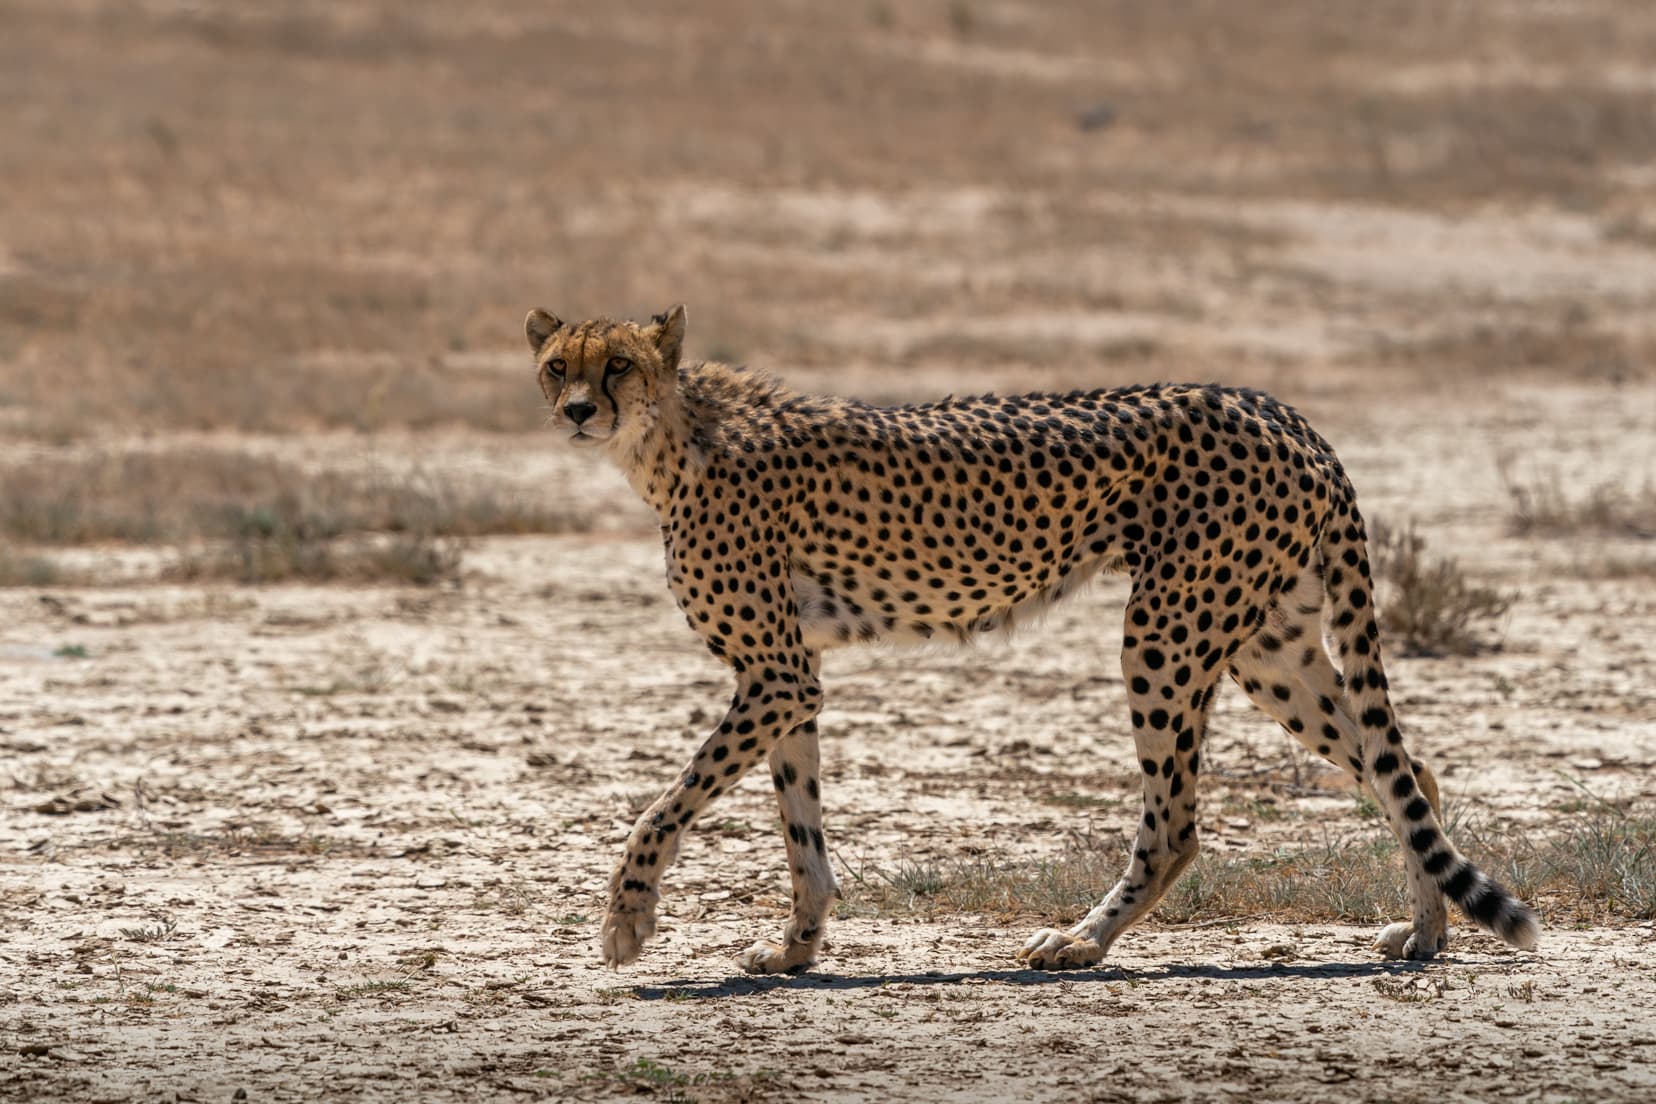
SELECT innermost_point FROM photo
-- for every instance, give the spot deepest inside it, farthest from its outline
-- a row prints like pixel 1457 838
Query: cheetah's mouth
pixel 584 438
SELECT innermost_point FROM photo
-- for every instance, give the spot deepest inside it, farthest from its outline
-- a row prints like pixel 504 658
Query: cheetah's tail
pixel 1347 579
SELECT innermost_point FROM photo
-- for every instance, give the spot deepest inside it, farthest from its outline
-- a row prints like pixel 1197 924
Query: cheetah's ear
pixel 667 331
pixel 538 327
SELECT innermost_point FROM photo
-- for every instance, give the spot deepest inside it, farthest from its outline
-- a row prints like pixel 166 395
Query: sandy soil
pixel 356 839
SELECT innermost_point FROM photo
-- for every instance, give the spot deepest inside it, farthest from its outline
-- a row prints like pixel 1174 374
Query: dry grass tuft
pixel 1619 567
pixel 1544 507
pixel 1338 880
pixel 1334 882
pixel 1427 603
pixel 1597 865
pixel 290 552
pixel 24 570
pixel 1067 885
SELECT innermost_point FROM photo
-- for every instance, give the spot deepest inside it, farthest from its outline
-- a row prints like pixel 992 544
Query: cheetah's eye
pixel 617 366
pixel 556 367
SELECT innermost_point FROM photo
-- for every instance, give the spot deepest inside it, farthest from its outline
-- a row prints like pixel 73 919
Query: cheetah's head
pixel 606 380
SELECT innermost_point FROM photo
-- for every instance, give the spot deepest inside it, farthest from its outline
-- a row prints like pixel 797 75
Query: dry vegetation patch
pixel 1591 866
pixel 1543 506
pixel 236 515
pixel 1427 603
pixel 25 569
pixel 187 494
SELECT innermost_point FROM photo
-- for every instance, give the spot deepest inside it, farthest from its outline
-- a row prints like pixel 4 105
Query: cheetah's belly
pixel 832 614
pixel 829 619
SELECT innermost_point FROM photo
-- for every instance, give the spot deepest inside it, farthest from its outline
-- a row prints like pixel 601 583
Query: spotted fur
pixel 795 523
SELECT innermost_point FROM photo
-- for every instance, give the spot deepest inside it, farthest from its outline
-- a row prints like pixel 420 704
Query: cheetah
pixel 794 524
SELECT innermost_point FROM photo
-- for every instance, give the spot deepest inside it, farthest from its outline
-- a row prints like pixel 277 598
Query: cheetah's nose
pixel 580 411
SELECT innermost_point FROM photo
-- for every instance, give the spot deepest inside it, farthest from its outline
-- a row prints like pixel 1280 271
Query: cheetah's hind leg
pixel 1169 712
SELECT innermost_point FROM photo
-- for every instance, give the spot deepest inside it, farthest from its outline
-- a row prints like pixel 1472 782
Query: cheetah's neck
pixel 659 461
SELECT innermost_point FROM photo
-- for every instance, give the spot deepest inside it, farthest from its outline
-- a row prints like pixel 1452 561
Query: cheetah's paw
pixel 624 934
pixel 1049 949
pixel 765 957
pixel 1400 940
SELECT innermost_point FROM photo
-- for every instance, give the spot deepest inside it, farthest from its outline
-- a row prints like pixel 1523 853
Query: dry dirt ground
pixel 316 841
pixel 356 839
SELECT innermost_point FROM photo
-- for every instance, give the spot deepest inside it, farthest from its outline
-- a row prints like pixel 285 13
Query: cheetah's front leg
pixel 793 763
pixel 763 710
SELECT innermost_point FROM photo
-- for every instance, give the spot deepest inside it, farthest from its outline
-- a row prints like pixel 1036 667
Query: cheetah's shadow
pixel 744 985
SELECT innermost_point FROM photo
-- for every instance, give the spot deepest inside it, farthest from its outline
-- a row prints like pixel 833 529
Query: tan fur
pixel 796 523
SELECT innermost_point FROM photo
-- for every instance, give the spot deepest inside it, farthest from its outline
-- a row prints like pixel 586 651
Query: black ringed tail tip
pixel 1492 906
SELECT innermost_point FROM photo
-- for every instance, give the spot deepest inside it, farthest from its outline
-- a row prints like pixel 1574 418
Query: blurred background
pixel 263 266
